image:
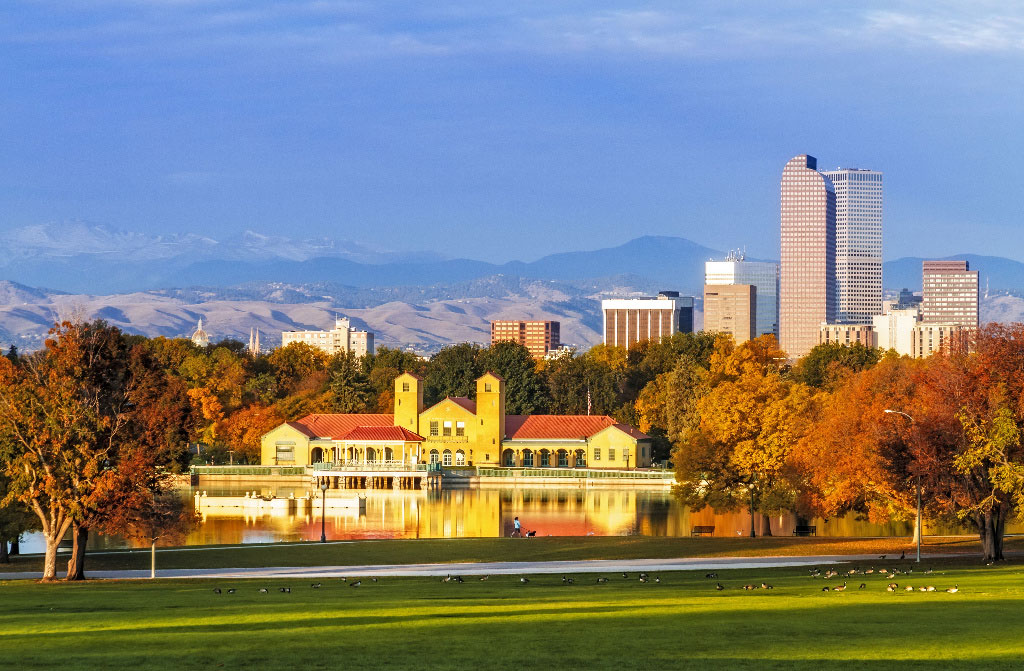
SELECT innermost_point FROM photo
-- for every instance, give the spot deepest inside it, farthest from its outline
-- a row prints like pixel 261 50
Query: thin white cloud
pixel 994 32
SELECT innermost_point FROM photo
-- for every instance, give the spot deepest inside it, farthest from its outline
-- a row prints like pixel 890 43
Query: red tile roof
pixel 301 428
pixel 562 427
pixel 393 433
pixel 335 426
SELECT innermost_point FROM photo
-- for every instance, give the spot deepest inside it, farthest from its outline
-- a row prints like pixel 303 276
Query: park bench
pixel 805 530
pixel 702 531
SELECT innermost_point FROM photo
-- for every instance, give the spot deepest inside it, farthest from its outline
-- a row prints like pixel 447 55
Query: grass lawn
pixel 508 549
pixel 422 623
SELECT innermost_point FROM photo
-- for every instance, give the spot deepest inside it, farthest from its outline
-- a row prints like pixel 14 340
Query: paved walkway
pixel 486 568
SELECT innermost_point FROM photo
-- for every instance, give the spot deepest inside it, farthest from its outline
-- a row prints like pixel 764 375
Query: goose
pixel 930 588
pixel 458 578
pixel 624 576
pixel 891 587
pixel 231 591
pixel 908 588
pixel 447 578
pixel 375 580
pixel 749 587
pixel 882 556
pixel 765 585
pixel 315 585
pixel 839 588
pixel 862 586
pixel 954 589
pixel 870 570
pixel 657 579
pixel 286 590
pixel 922 589
pixel 524 580
pixel 601 580
pixel 564 579
pixel 264 590
pixel 711 576
pixel 928 571
pixel 570 581
pixel 357 583
pixel 216 590
pixel 719 587
pixel 643 578
pixel 484 578
pixel 825 588
pixel 903 554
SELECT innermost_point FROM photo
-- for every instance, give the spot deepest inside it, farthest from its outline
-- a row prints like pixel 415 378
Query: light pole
pixel 323 512
pixel 920 529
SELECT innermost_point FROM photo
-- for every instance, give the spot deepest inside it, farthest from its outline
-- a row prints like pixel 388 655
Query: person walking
pixel 517 529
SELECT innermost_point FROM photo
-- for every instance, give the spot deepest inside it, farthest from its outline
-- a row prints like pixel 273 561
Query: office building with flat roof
pixel 807 274
pixel 732 309
pixel 846 334
pixel 858 252
pixel 628 321
pixel 539 337
pixel 342 338
pixel 951 293
pixel 763 275
pixel 895 330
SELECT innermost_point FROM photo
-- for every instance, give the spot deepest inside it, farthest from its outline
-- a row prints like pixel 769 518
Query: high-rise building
pixel 950 293
pixel 732 309
pixel 807 275
pixel 628 321
pixel 540 337
pixel 735 269
pixel 858 244
pixel 342 338
pixel 928 339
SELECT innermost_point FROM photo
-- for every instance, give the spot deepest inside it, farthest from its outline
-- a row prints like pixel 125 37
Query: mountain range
pixel 161 285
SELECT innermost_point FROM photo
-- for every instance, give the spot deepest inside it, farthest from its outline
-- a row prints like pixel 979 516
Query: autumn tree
pixel 828 364
pixel 453 371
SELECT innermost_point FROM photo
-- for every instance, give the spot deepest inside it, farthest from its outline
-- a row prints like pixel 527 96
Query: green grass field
pixel 509 549
pixel 422 623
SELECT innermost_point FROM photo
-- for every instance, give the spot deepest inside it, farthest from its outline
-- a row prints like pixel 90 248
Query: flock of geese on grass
pixel 888 573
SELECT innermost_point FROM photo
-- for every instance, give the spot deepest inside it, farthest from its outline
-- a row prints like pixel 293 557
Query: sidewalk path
pixel 488 568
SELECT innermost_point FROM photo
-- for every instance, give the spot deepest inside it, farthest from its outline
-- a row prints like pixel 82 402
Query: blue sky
pixel 500 130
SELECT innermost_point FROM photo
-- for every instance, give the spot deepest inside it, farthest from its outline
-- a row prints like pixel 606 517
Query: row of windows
pixel 446 428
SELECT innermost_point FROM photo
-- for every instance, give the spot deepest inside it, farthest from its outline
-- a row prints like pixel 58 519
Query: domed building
pixel 200 338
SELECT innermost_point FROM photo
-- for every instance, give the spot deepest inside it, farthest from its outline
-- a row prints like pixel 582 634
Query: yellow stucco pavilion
pixel 456 432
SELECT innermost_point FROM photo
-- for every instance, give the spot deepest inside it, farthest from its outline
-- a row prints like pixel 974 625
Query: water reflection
pixel 464 513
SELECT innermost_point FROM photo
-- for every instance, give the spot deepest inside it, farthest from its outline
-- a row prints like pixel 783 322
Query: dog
pixel 531 534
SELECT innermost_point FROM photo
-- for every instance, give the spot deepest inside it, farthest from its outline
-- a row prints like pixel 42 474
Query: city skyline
pixel 532 123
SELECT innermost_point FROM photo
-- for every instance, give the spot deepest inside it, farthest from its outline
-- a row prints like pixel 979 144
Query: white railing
pixel 359 466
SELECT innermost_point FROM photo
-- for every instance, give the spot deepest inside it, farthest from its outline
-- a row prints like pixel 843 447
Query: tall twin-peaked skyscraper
pixel 831 251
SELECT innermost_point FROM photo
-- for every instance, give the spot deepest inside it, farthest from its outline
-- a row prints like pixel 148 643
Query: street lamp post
pixel 920 528
pixel 323 512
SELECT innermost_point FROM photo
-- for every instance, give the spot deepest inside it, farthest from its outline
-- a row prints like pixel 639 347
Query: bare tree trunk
pixel 767 525
pixel 991 528
pixel 50 558
pixel 4 557
pixel 76 565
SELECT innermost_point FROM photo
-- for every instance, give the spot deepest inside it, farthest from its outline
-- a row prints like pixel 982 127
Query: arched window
pixel 389 454
pixel 447 457
pixel 316 456
pixel 371 455
pixel 508 458
pixel 563 459
pixel 460 458
pixel 581 457
pixel 434 456
pixel 542 459
pixel 527 457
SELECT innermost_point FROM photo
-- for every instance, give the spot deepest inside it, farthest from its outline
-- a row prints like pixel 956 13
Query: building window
pixel 527 458
pixel 581 457
pixel 433 429
pixel 508 458
pixel 434 456
pixel 405 386
pixel 611 454
pixel 597 454
pixel 285 453
pixel 487 386
pixel 447 458
pixel 563 459
pixel 460 458
pixel 447 429
pixel 460 428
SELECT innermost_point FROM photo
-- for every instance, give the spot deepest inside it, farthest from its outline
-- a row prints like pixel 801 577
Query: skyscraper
pixel 540 337
pixel 950 293
pixel 858 255
pixel 732 309
pixel 762 274
pixel 807 275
